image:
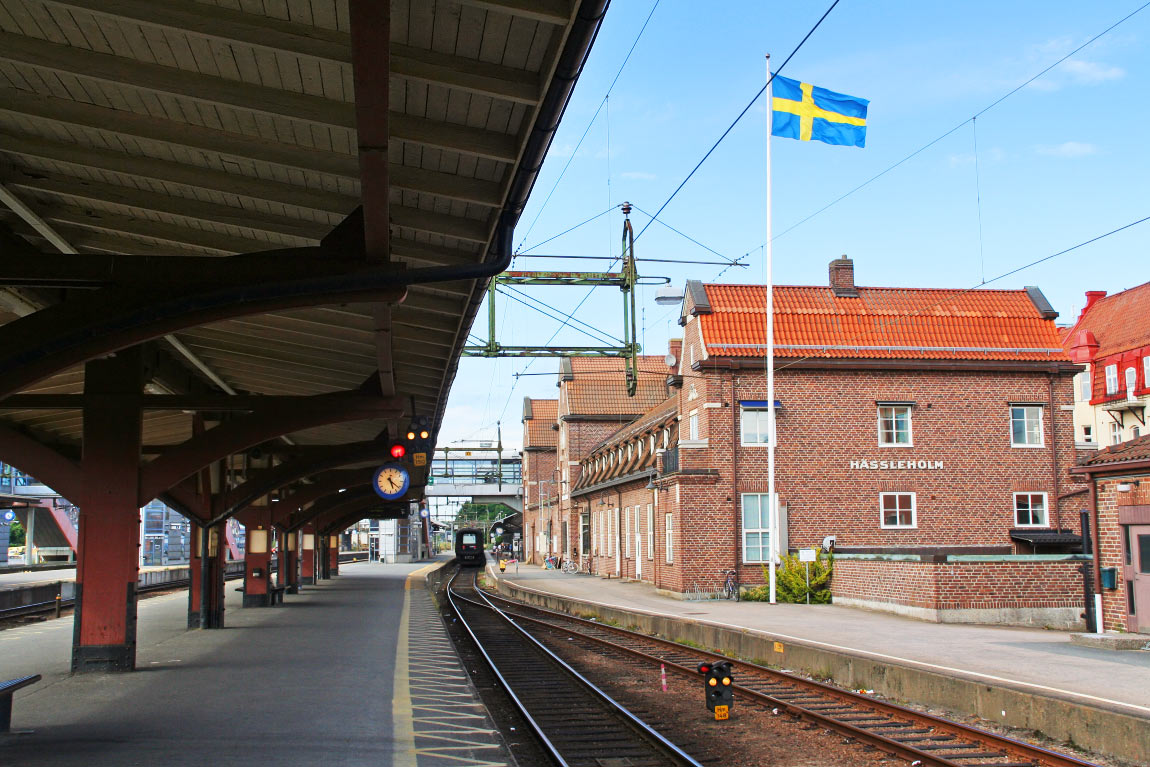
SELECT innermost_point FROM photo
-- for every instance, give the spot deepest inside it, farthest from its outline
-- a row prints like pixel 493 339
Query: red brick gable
pixel 1120 322
pixel 539 430
pixel 597 386
pixel 902 323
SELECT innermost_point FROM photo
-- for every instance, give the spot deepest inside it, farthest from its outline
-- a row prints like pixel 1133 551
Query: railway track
pixel 576 723
pixel 902 732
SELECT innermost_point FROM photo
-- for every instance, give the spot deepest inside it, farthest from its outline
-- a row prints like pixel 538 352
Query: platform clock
pixel 391 481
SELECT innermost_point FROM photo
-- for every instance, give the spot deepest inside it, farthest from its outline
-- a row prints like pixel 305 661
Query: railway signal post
pixel 718 688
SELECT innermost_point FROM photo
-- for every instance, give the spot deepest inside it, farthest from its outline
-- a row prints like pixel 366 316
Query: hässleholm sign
pixel 896 465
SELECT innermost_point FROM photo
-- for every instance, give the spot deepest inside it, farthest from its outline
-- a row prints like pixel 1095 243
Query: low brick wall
pixel 1015 590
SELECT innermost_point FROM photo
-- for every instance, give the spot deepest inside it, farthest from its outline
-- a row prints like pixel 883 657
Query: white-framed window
pixel 630 451
pixel 1131 379
pixel 898 510
pixel 756 527
pixel 756 425
pixel 1084 386
pixel 1135 432
pixel 894 426
pixel 1115 433
pixel 669 532
pixel 1088 434
pixel 627 532
pixel 1026 426
pixel 666 438
pixel 1030 509
pixel 1146 371
pixel 1111 379
pixel 693 425
pixel 650 531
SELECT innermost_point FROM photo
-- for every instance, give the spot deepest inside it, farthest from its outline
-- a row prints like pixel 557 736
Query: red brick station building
pixel 926 434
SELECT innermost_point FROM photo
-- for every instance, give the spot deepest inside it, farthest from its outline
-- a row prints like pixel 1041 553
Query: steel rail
pixel 676 755
pixel 1012 747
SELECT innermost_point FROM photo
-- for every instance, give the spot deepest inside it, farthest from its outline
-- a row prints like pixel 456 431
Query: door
pixel 1138 578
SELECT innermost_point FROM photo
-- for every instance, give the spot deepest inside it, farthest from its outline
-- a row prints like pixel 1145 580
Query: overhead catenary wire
pixel 735 122
pixel 698 165
pixel 590 122
pixel 549 311
pixel 707 248
pixel 918 312
pixel 976 115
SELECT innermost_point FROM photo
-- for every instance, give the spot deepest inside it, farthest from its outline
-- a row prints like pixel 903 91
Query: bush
pixel 791 581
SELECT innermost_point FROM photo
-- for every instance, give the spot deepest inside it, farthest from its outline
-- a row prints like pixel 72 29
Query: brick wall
pixel 1030 592
pixel 1111 546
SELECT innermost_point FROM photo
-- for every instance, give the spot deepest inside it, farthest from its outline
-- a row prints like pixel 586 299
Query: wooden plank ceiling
pixel 228 126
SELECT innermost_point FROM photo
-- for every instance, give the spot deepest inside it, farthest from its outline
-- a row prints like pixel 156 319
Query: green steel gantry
pixel 626 280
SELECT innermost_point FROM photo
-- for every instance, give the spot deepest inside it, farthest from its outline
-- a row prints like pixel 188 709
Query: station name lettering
pixel 895 465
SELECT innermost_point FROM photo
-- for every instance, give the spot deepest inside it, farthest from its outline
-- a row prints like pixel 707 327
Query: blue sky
pixel 1061 161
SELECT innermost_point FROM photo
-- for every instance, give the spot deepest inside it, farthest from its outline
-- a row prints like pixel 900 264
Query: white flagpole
pixel 773 513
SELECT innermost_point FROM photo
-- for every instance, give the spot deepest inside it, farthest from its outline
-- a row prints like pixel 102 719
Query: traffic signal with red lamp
pixel 398 451
pixel 718 687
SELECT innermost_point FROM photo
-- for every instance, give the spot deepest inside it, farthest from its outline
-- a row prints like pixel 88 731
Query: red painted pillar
pixel 195 571
pixel 307 554
pixel 333 554
pixel 292 549
pixel 209 599
pixel 107 567
pixel 257 557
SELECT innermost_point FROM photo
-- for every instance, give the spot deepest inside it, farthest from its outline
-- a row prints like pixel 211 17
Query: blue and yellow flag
pixel 805 112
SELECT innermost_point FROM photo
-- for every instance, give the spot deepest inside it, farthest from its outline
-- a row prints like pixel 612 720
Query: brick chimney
pixel 1092 297
pixel 843 277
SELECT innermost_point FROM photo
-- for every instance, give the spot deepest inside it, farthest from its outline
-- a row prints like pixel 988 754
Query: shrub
pixel 791 581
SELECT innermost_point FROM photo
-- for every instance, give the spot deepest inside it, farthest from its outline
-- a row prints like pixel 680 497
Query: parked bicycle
pixel 570 565
pixel 731 585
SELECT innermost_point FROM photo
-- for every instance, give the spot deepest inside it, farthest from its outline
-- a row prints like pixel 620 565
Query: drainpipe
pixel 736 441
pixel 619 533
pixel 1054 454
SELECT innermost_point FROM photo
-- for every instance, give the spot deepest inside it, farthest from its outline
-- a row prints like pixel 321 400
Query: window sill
pixel 1031 527
pixel 898 527
pixel 896 444
pixel 1028 447
pixel 693 444
pixel 754 444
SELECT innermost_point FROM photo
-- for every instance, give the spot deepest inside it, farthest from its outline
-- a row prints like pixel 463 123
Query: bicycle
pixel 731 585
pixel 570 566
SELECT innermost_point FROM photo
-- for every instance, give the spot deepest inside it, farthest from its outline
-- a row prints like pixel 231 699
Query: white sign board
pixel 807 555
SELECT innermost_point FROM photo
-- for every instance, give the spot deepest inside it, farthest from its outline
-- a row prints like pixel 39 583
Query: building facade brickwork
pixel 973 461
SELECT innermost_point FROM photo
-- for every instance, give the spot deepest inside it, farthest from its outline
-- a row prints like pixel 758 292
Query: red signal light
pixel 704 668
pixel 398 451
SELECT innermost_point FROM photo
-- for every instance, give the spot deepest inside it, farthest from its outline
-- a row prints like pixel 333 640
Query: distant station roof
pixel 539 424
pixel 597 386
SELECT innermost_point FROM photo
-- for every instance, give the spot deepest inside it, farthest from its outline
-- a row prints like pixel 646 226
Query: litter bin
pixel 1109 577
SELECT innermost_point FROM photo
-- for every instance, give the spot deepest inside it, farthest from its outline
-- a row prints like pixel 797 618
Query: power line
pixel 977 114
pixel 697 166
pixel 586 130
pixel 685 236
pixel 727 263
pixel 948 299
pixel 591 332
pixel 731 127
pixel 566 231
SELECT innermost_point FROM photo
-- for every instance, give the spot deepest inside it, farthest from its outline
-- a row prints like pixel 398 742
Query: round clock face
pixel 391 481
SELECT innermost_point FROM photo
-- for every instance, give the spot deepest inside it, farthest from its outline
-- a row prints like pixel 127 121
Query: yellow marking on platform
pixel 403 750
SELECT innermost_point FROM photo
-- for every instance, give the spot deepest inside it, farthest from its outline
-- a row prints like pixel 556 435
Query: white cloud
pixel 1087 72
pixel 638 175
pixel 1067 149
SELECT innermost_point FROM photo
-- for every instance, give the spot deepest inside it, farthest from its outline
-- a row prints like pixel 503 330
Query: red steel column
pixel 307 554
pixel 257 556
pixel 196 573
pixel 211 613
pixel 107 567
pixel 333 553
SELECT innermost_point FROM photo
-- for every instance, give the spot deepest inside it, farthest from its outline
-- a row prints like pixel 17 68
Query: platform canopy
pixel 272 200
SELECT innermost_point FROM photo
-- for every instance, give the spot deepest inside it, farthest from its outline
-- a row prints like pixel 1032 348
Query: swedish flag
pixel 805 112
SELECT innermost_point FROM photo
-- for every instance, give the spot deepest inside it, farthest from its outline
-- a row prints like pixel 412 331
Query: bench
pixel 6 690
pixel 276 595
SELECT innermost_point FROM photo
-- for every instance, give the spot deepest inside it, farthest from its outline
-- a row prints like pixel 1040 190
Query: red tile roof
pixel 1119 322
pixel 599 386
pixel 1134 450
pixel 906 323
pixel 538 430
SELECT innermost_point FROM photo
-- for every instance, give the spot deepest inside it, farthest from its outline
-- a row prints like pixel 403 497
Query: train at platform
pixel 469 546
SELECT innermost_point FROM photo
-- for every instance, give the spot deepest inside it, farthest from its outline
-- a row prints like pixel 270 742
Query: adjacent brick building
pixel 540 477
pixel 1120 512
pixel 928 433
pixel 1112 339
